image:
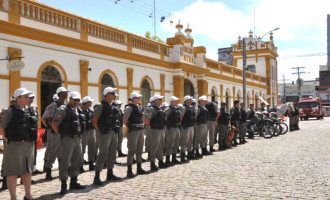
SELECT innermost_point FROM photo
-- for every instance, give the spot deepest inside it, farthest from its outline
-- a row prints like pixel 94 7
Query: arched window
pixel 213 95
pixel 188 88
pixel 106 81
pixel 146 92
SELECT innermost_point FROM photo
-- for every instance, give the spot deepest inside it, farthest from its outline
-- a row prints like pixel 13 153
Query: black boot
pixel 234 143
pixel 64 188
pixel 91 166
pixel 74 185
pixel 174 160
pixel 191 155
pixel 4 183
pixel 183 158
pixel 97 180
pixel 111 176
pixel 205 152
pixel 81 170
pixel 198 155
pixel 162 165
pixel 212 150
pixel 121 154
pixel 48 174
pixel 130 172
pixel 244 140
pixel 139 169
pixel 153 167
pixel 241 141
pixel 168 162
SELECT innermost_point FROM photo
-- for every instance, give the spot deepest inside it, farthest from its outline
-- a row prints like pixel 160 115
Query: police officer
pixel 172 115
pixel 33 110
pixel 53 139
pixel 68 125
pixel 212 120
pixel 157 122
pixel 88 135
pixel 147 129
pixel 187 128
pixel 242 125
pixel 235 115
pixel 251 114
pixel 118 104
pixel 223 123
pixel 17 128
pixel 200 135
pixel 133 119
pixel 105 122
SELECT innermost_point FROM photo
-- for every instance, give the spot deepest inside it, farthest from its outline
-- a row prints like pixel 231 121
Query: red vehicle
pixel 310 107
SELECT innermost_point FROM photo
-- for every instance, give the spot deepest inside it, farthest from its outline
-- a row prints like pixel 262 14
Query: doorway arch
pixel 188 88
pixel 146 93
pixel 213 94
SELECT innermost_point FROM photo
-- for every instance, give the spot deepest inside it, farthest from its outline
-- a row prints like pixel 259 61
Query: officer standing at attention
pixel 200 135
pixel 172 115
pixel 187 130
pixel 223 123
pixel 157 122
pixel 118 104
pixel 133 119
pixel 88 135
pixel 17 130
pixel 147 129
pixel 105 122
pixel 235 115
pixel 242 125
pixel 53 139
pixel 250 114
pixel 68 125
pixel 213 111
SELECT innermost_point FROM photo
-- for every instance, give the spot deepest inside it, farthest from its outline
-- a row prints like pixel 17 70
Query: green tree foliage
pixel 157 38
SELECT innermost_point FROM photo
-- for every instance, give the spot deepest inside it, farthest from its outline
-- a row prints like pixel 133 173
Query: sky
pixel 301 39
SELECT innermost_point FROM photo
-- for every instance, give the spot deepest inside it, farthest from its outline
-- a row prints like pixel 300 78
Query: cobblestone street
pixel 291 166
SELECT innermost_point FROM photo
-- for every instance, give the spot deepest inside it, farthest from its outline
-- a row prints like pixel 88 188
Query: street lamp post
pixel 244 63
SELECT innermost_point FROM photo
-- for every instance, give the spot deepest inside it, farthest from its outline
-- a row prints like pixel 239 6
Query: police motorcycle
pixel 260 125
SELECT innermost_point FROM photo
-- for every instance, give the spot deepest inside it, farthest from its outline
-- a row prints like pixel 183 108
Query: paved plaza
pixel 291 166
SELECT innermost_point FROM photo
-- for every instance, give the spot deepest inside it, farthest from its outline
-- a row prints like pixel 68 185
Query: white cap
pixel 187 98
pixel 149 104
pixel 109 90
pixel 173 98
pixel 194 100
pixel 135 95
pixel 75 95
pixel 61 89
pixel 157 96
pixel 202 98
pixel 118 102
pixel 31 95
pixel 12 98
pixel 20 92
pixel 55 96
pixel 151 99
pixel 165 104
pixel 87 99
pixel 180 105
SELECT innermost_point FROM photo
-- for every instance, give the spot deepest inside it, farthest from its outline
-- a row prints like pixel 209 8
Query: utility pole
pixel 284 96
pixel 299 82
pixel 244 71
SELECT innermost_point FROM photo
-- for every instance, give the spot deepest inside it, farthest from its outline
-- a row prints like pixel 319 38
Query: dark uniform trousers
pixel 107 153
pixel 135 140
pixel 236 124
pixel 223 133
pixel 71 159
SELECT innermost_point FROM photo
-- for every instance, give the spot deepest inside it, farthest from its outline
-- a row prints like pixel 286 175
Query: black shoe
pixel 37 172
pixel 130 172
pixel 4 183
pixel 134 161
pixel 85 162
pixel 121 154
pixel 241 141
pixel 174 160
pixel 111 176
pixel 139 170
pixel 221 148
pixel 183 158
pixel 162 165
pixel 245 140
pixel 191 156
pixel 91 166
pixel 212 149
pixel 234 143
pixel 81 170
pixel 25 198
pixel 64 188
pixel 48 174
pixel 168 162
pixel 205 152
pixel 153 167
pixel 97 180
pixel 74 185
pixel 198 155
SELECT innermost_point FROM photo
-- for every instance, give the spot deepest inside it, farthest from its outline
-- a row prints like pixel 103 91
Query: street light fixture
pixel 244 62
